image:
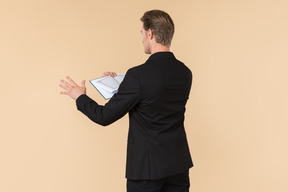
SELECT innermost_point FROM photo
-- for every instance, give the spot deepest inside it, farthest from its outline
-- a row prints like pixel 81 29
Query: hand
pixel 108 73
pixel 72 89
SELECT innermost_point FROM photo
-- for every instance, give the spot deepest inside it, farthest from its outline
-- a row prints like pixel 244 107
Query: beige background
pixel 236 119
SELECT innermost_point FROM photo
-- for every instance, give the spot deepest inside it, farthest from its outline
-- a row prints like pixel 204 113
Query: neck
pixel 159 48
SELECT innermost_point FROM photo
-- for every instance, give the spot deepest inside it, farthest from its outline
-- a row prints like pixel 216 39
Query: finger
pixel 106 74
pixel 71 81
pixel 66 83
pixel 83 84
pixel 64 93
pixel 111 74
pixel 64 87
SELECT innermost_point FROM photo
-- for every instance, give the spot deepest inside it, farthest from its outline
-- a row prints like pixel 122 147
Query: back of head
pixel 160 24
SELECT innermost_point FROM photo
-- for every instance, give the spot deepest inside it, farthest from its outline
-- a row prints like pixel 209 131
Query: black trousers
pixel 175 183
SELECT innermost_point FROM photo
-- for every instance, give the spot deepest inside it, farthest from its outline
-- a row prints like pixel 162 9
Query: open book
pixel 107 86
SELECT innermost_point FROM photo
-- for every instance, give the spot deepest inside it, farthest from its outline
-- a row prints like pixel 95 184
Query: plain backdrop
pixel 236 118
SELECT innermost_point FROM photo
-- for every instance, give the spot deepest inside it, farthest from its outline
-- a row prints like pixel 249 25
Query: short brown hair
pixel 161 25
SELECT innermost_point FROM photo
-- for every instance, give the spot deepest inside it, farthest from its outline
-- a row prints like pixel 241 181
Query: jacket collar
pixel 161 55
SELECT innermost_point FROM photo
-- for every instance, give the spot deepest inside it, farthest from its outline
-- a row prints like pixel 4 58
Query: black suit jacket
pixel 155 94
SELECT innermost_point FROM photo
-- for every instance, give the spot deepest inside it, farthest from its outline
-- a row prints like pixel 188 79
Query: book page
pixel 119 77
pixel 109 83
pixel 101 85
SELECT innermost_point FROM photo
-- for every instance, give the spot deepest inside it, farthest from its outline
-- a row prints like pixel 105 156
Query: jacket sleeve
pixel 123 101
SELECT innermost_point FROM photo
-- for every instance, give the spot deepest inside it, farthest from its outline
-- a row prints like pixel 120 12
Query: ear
pixel 150 34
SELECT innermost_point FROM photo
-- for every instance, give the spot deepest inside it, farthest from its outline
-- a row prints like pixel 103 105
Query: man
pixel 155 94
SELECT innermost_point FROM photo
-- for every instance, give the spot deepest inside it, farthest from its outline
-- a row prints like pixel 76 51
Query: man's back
pixel 165 85
pixel 156 133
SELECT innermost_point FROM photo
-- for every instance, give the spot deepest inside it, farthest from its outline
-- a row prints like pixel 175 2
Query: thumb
pixel 83 83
